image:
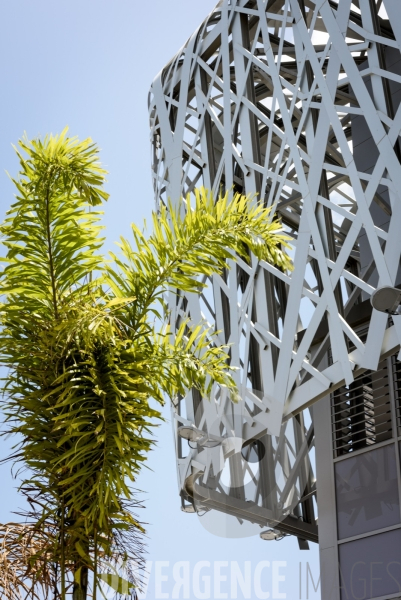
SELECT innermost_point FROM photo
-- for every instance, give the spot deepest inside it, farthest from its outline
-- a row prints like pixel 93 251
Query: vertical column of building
pixel 359 483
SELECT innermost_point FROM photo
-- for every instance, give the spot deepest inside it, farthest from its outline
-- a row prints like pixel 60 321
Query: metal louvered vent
pixel 361 412
pixel 396 366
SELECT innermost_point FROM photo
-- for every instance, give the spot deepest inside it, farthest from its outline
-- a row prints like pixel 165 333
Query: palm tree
pixel 86 347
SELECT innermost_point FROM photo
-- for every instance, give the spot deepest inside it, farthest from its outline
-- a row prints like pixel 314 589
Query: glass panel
pixel 367 492
pixel 371 567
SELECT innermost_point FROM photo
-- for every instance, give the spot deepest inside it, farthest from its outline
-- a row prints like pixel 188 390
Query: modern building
pixel 297 101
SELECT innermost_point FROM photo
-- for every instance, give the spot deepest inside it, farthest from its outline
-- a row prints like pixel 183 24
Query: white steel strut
pixel 296 101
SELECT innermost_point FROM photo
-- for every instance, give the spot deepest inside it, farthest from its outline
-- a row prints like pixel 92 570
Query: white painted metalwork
pixel 298 102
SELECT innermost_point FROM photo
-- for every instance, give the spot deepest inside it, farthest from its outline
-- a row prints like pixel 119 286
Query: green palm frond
pixel 51 237
pixel 181 248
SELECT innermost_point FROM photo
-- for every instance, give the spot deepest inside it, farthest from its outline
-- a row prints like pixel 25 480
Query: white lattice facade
pixel 297 101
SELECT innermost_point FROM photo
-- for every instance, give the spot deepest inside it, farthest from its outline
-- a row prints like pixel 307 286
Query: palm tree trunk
pixel 62 565
pixel 80 589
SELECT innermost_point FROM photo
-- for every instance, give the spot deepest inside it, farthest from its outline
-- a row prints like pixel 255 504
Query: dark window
pixel 371 567
pixel 367 492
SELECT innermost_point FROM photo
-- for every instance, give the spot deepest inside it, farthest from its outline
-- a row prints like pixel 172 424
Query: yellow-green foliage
pixel 79 339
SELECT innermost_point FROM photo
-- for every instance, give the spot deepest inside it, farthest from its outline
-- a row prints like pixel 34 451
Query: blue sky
pixel 89 64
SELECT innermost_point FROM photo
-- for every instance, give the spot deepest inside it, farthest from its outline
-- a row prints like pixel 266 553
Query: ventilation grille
pixel 361 412
pixel 396 365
